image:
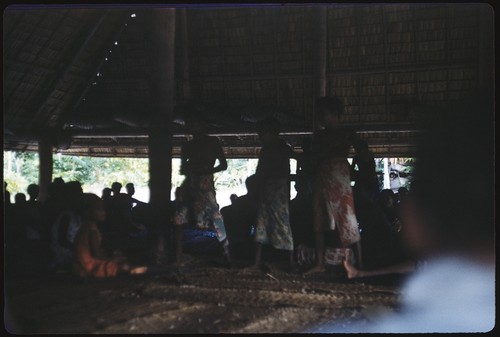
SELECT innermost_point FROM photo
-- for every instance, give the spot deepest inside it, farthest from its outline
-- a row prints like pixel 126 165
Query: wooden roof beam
pixel 90 78
pixel 62 74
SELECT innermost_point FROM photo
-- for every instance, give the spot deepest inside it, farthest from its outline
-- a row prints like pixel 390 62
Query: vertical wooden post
pixel 322 51
pixel 186 83
pixel 45 167
pixel 162 92
pixel 160 131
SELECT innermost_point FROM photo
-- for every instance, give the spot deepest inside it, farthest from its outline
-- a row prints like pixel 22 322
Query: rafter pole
pixel 62 74
pixel 97 66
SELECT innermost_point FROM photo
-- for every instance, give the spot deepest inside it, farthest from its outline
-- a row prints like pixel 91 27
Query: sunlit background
pixel 21 169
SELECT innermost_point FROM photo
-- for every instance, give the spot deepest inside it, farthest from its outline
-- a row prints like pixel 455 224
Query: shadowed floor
pixel 200 297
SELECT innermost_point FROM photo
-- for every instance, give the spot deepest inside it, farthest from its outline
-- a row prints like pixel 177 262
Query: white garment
pixel 447 295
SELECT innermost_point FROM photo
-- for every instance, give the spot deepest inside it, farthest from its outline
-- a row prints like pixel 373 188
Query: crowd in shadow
pixel 44 237
pixel 440 231
pixel 327 221
pixel 338 217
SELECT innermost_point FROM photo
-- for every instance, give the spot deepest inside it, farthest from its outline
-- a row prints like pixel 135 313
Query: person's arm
pixel 353 170
pixel 221 157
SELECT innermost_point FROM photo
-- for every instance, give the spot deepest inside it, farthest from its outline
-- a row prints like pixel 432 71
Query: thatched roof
pixel 83 73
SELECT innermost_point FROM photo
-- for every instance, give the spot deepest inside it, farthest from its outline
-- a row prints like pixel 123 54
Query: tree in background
pixel 94 173
pixel 21 169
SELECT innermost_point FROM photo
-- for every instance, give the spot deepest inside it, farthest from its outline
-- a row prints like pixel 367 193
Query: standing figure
pixel 273 170
pixel 333 204
pixel 130 192
pixel 363 171
pixel 198 157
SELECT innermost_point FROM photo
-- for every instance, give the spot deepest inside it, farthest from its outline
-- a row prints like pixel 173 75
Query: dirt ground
pixel 200 297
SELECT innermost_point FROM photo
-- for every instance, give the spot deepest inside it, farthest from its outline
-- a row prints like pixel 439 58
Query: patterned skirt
pixel 199 198
pixel 273 218
pixel 333 201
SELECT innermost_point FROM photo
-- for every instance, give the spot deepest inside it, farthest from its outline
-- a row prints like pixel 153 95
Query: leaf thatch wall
pixel 86 72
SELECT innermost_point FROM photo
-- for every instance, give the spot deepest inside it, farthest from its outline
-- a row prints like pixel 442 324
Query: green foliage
pixel 177 178
pixel 235 175
pixel 71 168
pixel 21 169
pixel 232 178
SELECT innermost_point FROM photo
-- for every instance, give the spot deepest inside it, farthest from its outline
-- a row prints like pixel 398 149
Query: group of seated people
pixel 71 224
pixel 71 231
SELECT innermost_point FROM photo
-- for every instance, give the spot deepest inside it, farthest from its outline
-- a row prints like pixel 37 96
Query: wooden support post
pixel 160 131
pixel 184 40
pixel 162 78
pixel 322 51
pixel 45 167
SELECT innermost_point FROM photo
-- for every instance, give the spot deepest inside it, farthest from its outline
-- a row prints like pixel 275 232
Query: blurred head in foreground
pixel 448 223
pixel 452 197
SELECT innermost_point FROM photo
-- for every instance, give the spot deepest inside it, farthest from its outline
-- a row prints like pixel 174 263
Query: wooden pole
pixel 160 130
pixel 45 168
pixel 162 92
pixel 322 50
pixel 186 82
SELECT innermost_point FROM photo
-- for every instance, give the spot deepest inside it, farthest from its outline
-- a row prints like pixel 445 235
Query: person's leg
pixel 356 247
pixel 319 216
pixel 227 253
pixel 294 268
pixel 258 257
pixel 319 240
pixel 180 218
pixel 258 254
pixel 212 208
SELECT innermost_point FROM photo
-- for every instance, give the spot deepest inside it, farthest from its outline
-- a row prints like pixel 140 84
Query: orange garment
pixel 86 263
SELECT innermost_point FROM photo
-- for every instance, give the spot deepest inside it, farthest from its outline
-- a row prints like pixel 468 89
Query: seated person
pixel 90 259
